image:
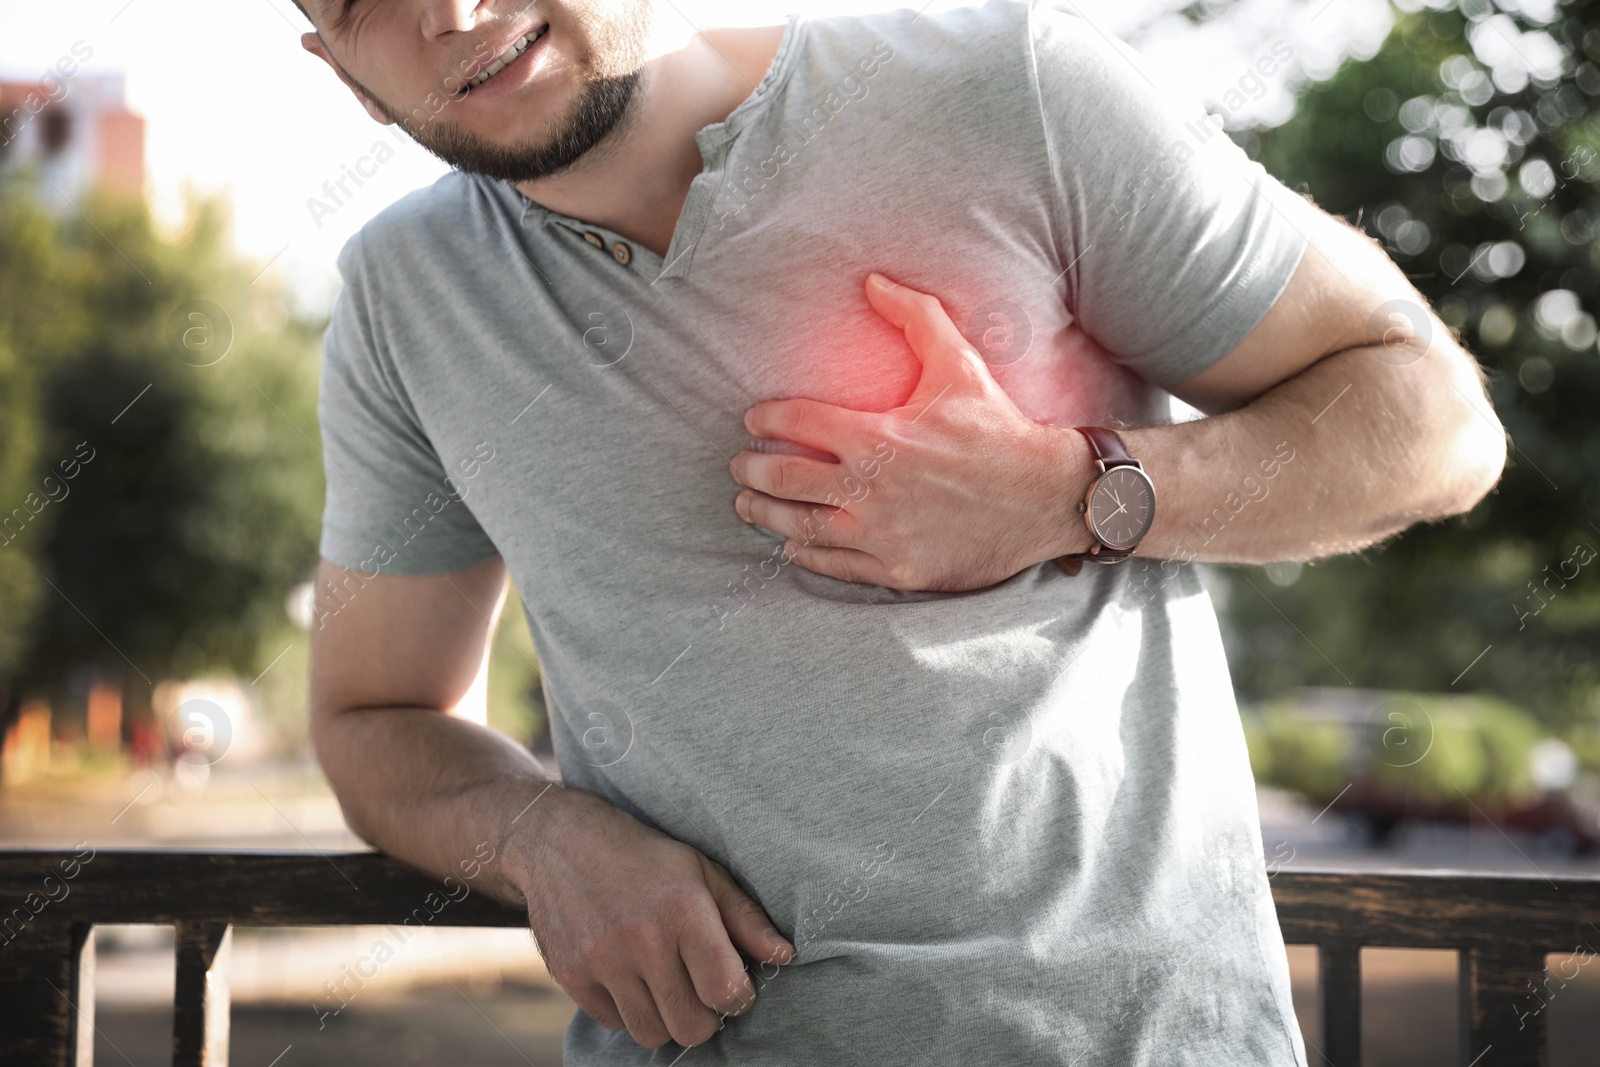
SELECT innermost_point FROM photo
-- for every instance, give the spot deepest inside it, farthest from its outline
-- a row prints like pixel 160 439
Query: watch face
pixel 1122 506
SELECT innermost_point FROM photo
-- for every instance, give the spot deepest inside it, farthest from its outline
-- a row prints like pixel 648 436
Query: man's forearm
pixel 1357 447
pixel 438 792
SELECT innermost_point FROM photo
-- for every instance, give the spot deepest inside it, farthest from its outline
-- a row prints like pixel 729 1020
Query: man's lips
pixel 507 53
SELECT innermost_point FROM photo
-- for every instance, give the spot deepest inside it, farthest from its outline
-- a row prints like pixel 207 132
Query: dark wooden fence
pixel 1501 927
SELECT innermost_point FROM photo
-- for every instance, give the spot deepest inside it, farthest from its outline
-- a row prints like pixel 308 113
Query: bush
pixel 1440 750
pixel 1292 751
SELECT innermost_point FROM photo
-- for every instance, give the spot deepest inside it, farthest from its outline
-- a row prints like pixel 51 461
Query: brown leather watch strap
pixel 1108 446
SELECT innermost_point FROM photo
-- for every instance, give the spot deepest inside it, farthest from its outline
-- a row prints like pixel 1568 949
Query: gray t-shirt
pixel 1009 826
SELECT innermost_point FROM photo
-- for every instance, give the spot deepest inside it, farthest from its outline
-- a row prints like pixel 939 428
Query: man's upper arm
pixel 414 641
pixel 1187 261
pixel 392 504
pixel 1174 243
pixel 1344 293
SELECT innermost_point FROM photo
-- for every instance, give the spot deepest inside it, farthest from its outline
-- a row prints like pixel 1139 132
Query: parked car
pixel 1384 758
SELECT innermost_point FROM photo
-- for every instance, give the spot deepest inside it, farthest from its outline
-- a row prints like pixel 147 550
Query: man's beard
pixel 601 109
pixel 612 62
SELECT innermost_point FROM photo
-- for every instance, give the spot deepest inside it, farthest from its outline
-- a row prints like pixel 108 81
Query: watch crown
pixel 1082 507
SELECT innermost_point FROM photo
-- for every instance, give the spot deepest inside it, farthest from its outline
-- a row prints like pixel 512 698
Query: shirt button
pixel 623 253
pixel 595 239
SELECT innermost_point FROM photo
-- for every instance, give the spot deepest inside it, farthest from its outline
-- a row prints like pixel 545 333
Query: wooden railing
pixel 1501 927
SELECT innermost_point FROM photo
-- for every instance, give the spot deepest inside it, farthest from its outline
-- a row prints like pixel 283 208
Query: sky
pixel 233 105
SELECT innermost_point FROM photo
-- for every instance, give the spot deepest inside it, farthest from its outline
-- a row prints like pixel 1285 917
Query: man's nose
pixel 440 17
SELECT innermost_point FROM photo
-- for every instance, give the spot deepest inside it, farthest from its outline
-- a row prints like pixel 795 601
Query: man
pixel 867 777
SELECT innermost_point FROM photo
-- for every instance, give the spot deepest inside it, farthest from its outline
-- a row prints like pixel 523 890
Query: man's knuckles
pixel 596 1003
pixel 736 996
pixel 840 566
pixel 616 948
pixel 777 478
pixel 698 1030
pixel 774 475
pixel 646 1030
pixel 572 971
pixel 905 575
pixel 796 418
pixel 924 306
pixel 743 910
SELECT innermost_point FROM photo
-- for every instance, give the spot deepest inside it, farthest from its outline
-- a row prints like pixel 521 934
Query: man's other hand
pixel 641 930
pixel 956 489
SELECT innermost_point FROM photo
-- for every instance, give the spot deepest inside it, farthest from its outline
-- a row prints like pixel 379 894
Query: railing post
pixel 1341 1002
pixel 201 1002
pixel 47 996
pixel 1502 1004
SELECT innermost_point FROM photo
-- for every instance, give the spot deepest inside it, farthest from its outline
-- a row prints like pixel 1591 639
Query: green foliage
pixel 1441 751
pixel 1427 750
pixel 1488 194
pixel 1446 751
pixel 19 578
pixel 196 499
pixel 195 503
pixel 516 700
pixel 32 328
pixel 1303 755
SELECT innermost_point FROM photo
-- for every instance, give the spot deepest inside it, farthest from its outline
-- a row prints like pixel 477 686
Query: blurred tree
pixel 181 392
pixel 1470 146
pixel 19 446
pixel 28 260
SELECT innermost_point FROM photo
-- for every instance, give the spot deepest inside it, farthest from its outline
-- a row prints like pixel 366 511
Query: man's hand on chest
pixel 956 489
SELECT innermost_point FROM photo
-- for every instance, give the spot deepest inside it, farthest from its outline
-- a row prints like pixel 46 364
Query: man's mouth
pixel 508 57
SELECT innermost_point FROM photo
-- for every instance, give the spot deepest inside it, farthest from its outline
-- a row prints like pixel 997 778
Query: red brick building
pixel 76 132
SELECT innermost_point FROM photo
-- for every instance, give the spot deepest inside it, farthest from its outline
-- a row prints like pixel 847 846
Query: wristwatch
pixel 1120 504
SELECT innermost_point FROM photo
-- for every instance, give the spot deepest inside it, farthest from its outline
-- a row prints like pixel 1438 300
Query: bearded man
pixel 814 384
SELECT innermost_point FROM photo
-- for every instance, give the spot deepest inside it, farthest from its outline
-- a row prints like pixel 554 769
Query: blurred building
pixel 75 133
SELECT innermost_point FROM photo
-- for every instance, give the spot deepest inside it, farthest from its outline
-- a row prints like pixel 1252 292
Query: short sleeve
pixel 1177 242
pixel 391 506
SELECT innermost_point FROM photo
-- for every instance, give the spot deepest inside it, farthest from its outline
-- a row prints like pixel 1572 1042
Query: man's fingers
pixel 597 1004
pixel 720 981
pixel 947 356
pixel 688 1020
pixel 845 564
pixel 824 427
pixel 748 925
pixel 812 524
pixel 719 976
pixel 789 477
pixel 717 971
pixel 637 1006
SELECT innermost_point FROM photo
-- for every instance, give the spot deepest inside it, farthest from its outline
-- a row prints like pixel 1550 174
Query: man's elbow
pixel 331 744
pixel 1472 445
pixel 1486 454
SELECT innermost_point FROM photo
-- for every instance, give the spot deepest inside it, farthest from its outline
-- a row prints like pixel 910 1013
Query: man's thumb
pixel 948 358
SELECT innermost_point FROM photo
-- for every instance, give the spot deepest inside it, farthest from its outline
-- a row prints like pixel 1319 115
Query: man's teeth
pixel 519 46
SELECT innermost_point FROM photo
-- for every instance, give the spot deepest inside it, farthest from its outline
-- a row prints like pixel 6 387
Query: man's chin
pixel 599 113
pixel 510 162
